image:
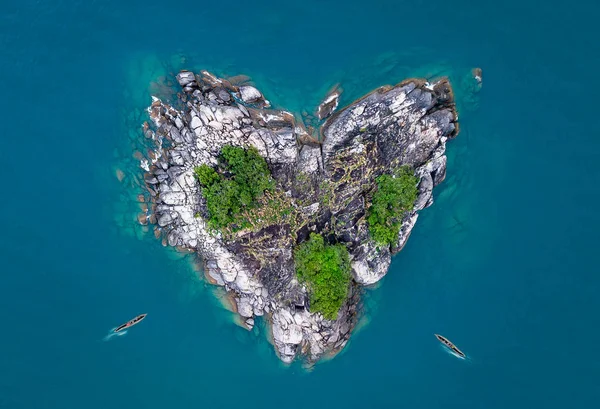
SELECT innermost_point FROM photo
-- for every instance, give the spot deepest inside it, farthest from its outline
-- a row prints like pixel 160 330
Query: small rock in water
pixel 478 75
pixel 120 175
pixel 250 95
pixel 471 84
pixel 186 78
pixel 238 79
pixel 142 219
pixel 330 103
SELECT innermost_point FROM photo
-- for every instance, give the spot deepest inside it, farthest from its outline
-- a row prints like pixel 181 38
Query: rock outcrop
pixel 326 180
pixel 329 104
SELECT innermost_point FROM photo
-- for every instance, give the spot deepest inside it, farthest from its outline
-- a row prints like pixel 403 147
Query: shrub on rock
pixel 240 179
pixel 396 194
pixel 325 270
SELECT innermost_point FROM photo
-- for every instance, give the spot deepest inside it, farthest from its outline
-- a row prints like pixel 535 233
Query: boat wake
pixel 454 354
pixel 112 334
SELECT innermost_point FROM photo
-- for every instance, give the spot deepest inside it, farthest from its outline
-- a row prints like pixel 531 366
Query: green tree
pixel 237 183
pixel 325 270
pixel 396 194
pixel 206 175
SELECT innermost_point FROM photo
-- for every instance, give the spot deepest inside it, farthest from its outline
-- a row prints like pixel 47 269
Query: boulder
pixel 244 307
pixel 186 79
pixel 330 104
pixel 250 95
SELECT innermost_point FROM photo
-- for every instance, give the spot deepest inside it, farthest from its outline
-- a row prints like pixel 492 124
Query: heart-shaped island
pixel 292 220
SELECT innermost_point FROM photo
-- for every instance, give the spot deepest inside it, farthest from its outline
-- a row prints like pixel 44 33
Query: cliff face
pixel 325 187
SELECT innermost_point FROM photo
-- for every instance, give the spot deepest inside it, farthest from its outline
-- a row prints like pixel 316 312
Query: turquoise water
pixel 504 263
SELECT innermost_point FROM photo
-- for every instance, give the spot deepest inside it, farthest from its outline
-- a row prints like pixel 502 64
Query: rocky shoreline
pixel 325 173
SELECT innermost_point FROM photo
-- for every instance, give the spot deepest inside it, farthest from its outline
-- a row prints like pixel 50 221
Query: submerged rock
pixel 120 175
pixel 470 86
pixel 330 103
pixel 327 183
pixel 478 75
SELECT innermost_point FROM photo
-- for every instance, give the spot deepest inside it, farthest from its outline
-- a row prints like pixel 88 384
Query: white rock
pixel 228 275
pixel 365 275
pixel 250 94
pixel 243 283
pixel 206 114
pixel 196 122
pixel 291 335
pixel 186 214
pixel 164 219
pixel 358 110
pixel 173 198
pixel 405 230
pixel 216 125
pixel 244 110
pixel 311 210
pixel 286 359
pixel 286 316
pixel 298 319
pixel 244 306
pixel 186 78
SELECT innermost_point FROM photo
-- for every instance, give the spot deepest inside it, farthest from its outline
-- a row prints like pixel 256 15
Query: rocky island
pixel 294 220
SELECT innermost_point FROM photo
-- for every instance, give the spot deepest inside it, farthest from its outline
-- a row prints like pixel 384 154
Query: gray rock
pixel 407 225
pixel 164 219
pixel 425 192
pixel 216 125
pixel 478 76
pixel 224 95
pixel 186 78
pixel 329 105
pixel 249 94
pixel 151 180
pixel 244 306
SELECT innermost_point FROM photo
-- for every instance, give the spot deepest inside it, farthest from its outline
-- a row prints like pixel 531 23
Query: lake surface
pixel 505 263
